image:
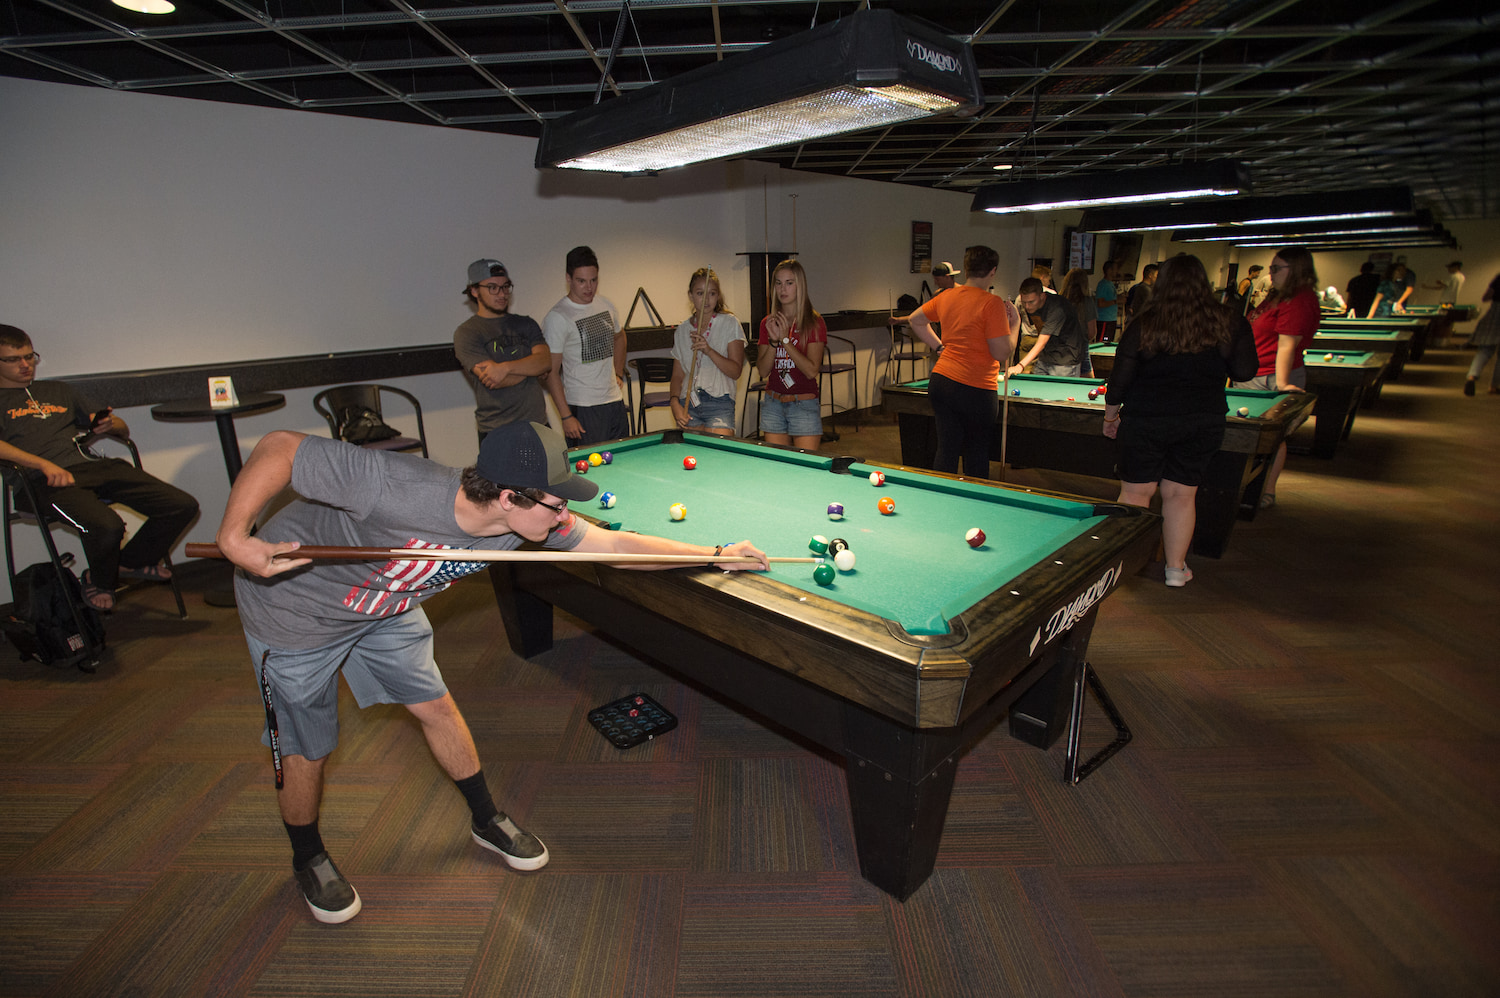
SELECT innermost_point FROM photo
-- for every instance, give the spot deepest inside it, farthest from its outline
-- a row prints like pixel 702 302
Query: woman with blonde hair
pixel 708 354
pixel 790 358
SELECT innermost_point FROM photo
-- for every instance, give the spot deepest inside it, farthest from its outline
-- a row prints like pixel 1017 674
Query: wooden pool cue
pixel 335 553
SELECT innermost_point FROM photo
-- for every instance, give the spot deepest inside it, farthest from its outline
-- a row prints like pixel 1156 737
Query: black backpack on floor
pixel 40 623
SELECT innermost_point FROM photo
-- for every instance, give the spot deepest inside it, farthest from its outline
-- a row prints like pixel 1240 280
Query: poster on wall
pixel 1079 249
pixel 921 247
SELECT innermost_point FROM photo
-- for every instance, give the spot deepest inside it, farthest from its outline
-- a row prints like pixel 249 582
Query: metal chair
pixel 752 384
pixel 652 371
pixel 904 350
pixel 331 403
pixel 830 369
pixel 13 512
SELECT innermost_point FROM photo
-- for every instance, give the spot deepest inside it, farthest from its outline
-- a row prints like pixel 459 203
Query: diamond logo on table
pixel 1066 616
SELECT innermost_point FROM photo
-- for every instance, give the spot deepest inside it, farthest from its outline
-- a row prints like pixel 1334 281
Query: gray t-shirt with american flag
pixel 363 498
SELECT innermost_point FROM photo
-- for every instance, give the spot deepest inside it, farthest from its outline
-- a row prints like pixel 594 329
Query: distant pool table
pixel 1343 380
pixel 899 665
pixel 1392 336
pixel 1053 425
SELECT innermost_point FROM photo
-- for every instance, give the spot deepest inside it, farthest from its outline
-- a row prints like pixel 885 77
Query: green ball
pixel 823 574
pixel 818 544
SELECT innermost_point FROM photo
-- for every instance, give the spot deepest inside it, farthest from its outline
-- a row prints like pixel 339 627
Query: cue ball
pixel 582 467
pixel 887 505
pixel 837 544
pixel 975 537
pixel 877 478
pixel 818 544
pixel 596 459
pixel 609 457
pixel 844 560
pixel 690 463
pixel 823 574
pixel 835 511
pixel 1244 410
pixel 607 500
pixel 678 511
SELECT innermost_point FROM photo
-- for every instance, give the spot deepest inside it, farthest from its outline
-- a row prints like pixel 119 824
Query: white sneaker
pixel 1179 577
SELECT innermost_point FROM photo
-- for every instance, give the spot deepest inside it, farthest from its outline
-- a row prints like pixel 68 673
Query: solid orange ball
pixel 887 505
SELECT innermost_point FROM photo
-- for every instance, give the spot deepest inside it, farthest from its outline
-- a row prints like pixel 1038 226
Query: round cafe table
pixel 199 409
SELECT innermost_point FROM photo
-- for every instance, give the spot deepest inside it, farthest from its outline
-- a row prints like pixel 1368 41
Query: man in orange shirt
pixel 977 338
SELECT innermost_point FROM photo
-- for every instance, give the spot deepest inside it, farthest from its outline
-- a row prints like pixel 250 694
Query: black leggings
pixel 965 418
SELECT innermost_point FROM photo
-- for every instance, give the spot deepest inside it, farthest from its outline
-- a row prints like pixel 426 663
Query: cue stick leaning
pixel 337 553
pixel 697 321
pixel 1005 402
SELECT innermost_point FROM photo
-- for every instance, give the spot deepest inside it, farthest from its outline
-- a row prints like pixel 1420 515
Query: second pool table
pixel 1392 336
pixel 897 666
pixel 1053 425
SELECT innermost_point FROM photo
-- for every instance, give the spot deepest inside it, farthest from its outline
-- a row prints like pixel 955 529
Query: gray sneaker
pixel 331 897
pixel 519 848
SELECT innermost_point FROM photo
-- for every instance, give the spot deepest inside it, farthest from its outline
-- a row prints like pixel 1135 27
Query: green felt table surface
pixel 913 567
pixel 1049 388
pixel 1331 358
pixel 1380 322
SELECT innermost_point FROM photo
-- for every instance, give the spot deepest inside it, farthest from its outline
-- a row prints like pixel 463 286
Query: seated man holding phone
pixel 45 427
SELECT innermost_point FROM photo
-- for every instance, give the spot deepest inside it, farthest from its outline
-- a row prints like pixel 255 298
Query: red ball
pixel 887 505
pixel 975 537
pixel 690 463
pixel 582 467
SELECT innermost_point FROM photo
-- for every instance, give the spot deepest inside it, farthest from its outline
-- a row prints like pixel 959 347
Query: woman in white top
pixel 708 353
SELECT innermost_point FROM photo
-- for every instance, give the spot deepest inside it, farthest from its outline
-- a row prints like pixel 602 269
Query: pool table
pixel 1393 336
pixel 1342 380
pixel 1443 318
pixel 1047 430
pixel 899 665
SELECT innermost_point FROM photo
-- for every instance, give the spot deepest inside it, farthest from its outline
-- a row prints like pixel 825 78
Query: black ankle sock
pixel 306 844
pixel 477 793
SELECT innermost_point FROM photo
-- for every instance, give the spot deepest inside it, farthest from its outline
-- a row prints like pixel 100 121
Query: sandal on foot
pixel 150 573
pixel 1267 500
pixel 100 599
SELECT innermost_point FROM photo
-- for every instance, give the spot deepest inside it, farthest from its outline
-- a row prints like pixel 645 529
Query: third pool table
pixel 1053 425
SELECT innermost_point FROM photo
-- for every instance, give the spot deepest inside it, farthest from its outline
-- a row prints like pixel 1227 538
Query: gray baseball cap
pixel 944 269
pixel 481 270
pixel 531 456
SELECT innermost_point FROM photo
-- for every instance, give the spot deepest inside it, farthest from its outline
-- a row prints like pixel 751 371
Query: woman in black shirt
pixel 1170 368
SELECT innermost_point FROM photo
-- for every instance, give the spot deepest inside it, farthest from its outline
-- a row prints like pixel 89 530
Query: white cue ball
pixel 844 560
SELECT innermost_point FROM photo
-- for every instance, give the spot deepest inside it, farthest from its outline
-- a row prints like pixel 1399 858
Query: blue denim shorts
pixel 712 412
pixel 795 419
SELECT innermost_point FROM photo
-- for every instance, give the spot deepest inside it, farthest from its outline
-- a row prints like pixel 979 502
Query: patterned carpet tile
pixel 789 934
pixel 1360 911
pixel 1124 813
pixel 1281 800
pixel 35 799
pixel 49 920
pixel 581 935
pixel 1210 929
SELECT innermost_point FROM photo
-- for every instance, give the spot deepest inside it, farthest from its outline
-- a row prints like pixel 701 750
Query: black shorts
pixel 1174 448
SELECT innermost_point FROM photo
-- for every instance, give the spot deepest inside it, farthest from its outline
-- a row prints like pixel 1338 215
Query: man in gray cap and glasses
pixel 502 353
pixel 307 621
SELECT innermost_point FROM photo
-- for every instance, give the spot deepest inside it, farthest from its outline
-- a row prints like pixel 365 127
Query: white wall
pixel 143 231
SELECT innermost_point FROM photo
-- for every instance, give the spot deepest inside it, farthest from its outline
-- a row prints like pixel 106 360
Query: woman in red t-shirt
pixel 1284 324
pixel 789 359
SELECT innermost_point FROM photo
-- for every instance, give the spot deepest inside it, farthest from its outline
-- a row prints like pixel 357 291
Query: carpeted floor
pixel 1310 807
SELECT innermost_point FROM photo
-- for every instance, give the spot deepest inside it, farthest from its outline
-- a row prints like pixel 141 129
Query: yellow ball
pixel 678 511
pixel 596 459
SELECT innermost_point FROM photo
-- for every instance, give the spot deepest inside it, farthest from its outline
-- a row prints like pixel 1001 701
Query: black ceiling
pixel 1313 94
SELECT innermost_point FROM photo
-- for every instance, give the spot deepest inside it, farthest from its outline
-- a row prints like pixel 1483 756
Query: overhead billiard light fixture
pixel 146 6
pixel 1175 182
pixel 1276 209
pixel 870 69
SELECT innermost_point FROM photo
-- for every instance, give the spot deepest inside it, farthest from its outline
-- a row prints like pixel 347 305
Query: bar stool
pixel 904 349
pixel 752 384
pixel 830 368
pixel 652 371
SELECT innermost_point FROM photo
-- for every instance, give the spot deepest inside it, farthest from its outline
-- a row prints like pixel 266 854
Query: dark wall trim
pixel 168 384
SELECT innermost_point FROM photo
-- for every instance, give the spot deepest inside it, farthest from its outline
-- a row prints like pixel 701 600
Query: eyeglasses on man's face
pixel 21 358
pixel 499 289
pixel 561 507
